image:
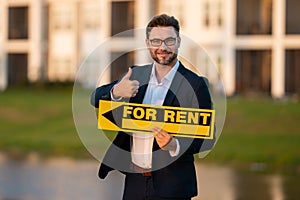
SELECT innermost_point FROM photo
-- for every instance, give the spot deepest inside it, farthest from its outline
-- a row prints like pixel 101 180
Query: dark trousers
pixel 139 187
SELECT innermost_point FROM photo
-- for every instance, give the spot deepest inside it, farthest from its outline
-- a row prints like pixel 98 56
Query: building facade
pixel 254 44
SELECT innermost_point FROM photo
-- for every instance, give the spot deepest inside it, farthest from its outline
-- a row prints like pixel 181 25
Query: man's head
pixel 163 39
pixel 163 20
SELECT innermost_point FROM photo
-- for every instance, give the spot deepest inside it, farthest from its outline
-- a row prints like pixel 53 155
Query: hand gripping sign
pixel 141 118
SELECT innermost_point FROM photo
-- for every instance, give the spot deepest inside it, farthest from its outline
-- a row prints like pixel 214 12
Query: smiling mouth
pixel 164 53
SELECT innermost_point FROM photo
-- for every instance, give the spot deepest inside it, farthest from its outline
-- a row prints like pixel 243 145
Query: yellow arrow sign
pixel 141 118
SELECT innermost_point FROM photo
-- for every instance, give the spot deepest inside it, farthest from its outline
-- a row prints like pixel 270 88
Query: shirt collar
pixel 168 78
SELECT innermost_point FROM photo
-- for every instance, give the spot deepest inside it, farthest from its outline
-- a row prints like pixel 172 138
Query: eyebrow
pixel 162 39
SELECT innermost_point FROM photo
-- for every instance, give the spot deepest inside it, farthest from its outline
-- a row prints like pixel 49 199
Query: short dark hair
pixel 162 20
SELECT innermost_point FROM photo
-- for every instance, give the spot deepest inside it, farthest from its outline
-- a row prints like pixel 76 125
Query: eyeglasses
pixel 158 42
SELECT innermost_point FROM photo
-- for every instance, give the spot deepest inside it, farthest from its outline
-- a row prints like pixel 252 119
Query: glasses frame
pixel 163 41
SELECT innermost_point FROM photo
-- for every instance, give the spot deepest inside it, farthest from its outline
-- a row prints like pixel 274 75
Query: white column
pixel 193 20
pixel 142 13
pixel 278 72
pixel 3 39
pixel 229 55
pixel 36 21
pixel 142 17
pixel 104 53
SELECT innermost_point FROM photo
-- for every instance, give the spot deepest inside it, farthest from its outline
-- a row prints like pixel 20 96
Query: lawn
pixel 38 121
pixel 260 131
pixel 255 131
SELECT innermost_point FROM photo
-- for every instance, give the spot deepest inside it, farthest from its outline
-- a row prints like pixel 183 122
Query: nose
pixel 163 46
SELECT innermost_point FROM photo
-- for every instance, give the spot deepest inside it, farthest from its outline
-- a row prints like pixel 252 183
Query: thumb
pixel 129 73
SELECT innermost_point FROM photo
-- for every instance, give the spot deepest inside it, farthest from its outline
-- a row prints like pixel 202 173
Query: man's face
pixel 163 44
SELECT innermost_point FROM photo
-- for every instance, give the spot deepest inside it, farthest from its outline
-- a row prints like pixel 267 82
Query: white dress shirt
pixel 141 151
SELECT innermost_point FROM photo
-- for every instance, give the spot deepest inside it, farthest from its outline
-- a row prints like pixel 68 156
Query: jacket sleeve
pixel 101 93
pixel 202 100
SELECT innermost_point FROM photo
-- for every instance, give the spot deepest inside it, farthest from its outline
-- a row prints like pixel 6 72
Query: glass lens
pixel 170 41
pixel 156 42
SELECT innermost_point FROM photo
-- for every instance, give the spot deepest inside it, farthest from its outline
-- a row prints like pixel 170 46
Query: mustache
pixel 164 51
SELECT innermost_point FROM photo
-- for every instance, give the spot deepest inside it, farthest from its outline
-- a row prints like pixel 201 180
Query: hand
pixel 162 137
pixel 126 88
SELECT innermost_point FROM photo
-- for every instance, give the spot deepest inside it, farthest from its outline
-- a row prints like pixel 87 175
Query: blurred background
pixel 255 46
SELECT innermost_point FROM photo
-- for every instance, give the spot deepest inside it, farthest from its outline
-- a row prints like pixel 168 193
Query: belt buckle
pixel 147 174
pixel 140 170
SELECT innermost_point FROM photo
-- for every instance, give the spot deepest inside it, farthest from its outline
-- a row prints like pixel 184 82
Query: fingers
pixel 134 87
pixel 135 93
pixel 126 88
pixel 161 136
pixel 129 73
pixel 135 84
pixel 160 132
pixel 156 130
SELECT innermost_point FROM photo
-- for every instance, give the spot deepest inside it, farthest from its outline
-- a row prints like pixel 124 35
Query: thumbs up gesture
pixel 126 88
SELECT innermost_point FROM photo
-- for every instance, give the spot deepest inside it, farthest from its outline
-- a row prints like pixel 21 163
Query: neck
pixel 162 70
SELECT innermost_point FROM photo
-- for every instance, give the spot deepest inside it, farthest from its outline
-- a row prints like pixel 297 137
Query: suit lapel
pixel 143 76
pixel 175 85
pixel 140 95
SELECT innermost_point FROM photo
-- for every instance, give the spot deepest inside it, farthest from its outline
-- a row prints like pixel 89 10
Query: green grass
pixel 38 121
pixel 257 130
pixel 260 130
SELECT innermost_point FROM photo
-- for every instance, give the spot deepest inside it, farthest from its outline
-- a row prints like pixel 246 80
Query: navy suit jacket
pixel 178 177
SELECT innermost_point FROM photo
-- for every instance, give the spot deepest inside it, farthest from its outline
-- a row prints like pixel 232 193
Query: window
pixel 292 71
pixel 18 23
pixel 253 71
pixel 173 8
pixel 91 15
pixel 121 63
pixel 62 17
pixel 206 15
pixel 122 17
pixel 254 17
pixel 213 14
pixel 220 14
pixel 17 69
pixel 292 17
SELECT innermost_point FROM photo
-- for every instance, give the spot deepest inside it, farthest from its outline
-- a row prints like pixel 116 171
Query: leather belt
pixel 140 170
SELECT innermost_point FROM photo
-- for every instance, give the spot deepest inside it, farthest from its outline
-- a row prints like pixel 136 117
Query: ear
pixel 147 42
pixel 178 41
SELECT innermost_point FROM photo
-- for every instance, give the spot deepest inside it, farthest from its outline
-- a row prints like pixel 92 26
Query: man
pixel 160 166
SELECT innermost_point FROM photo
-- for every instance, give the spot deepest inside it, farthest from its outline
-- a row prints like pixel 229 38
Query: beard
pixel 164 60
